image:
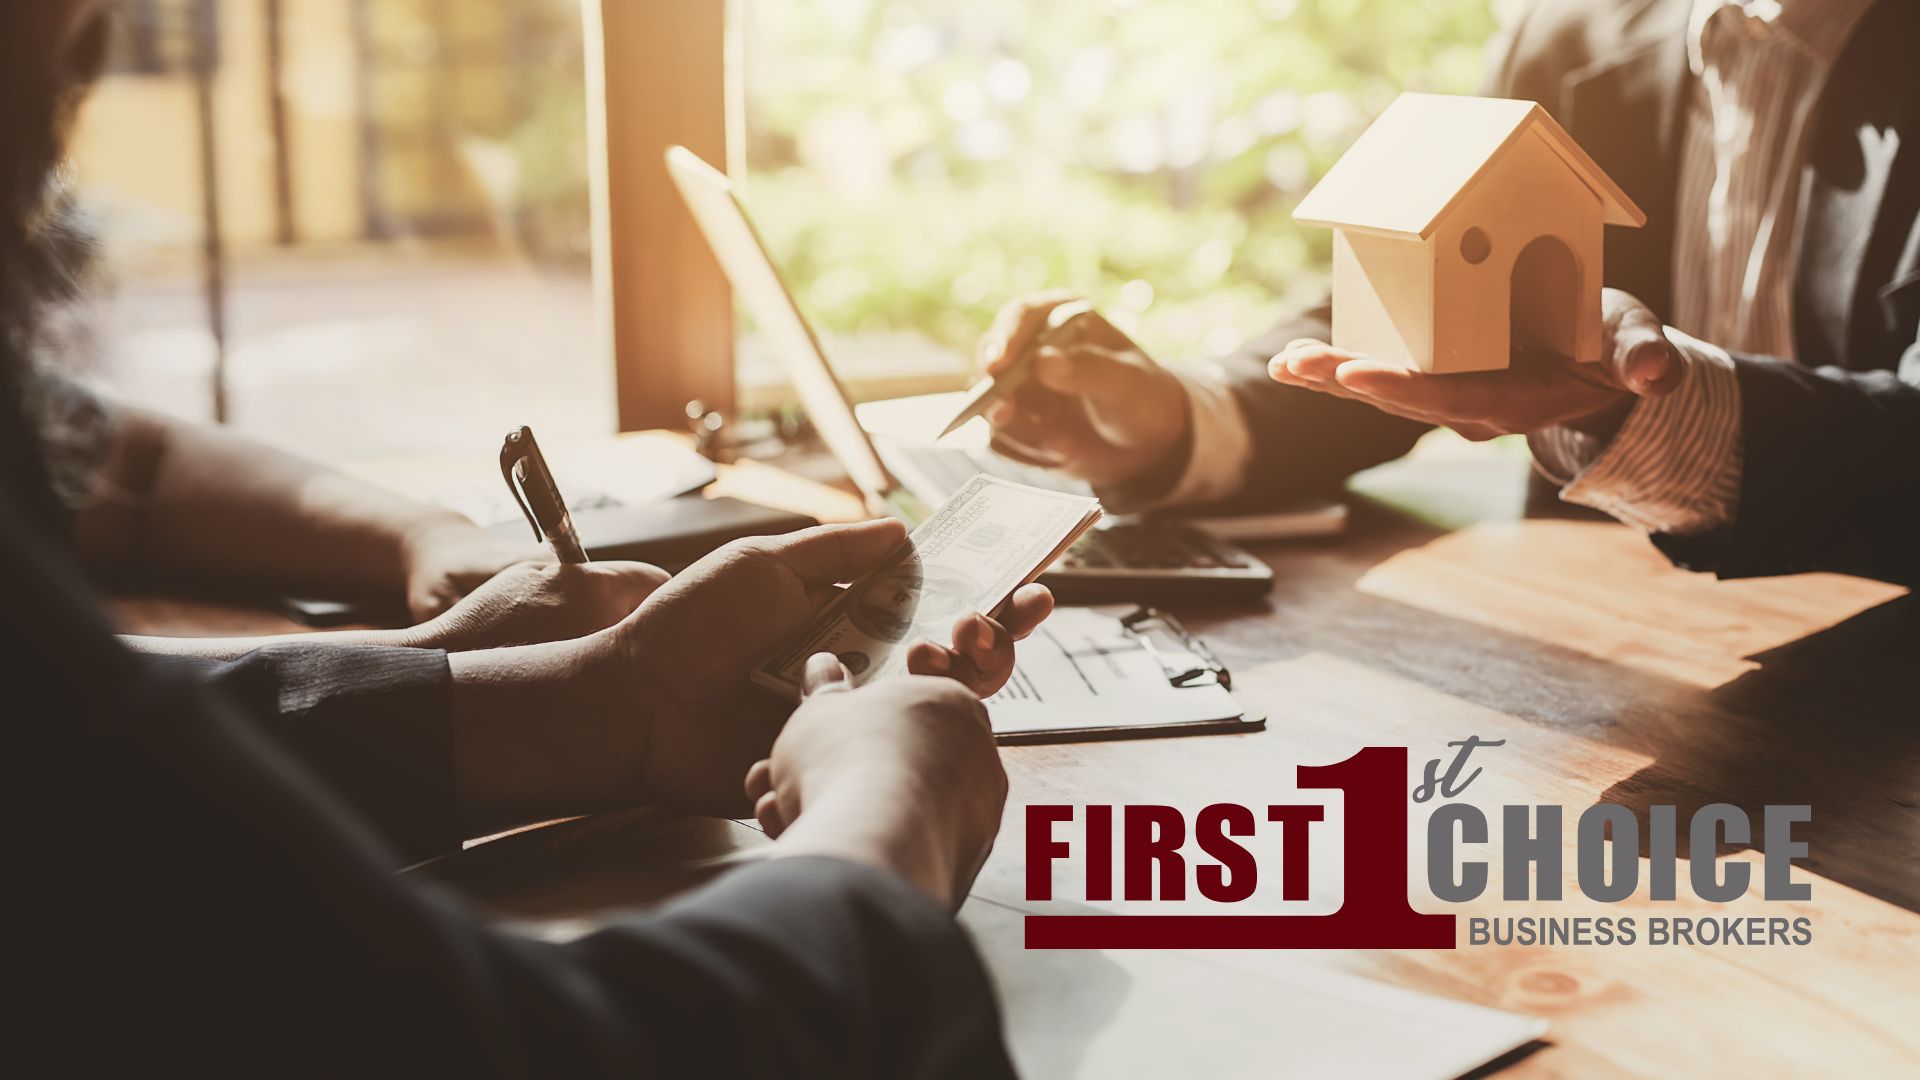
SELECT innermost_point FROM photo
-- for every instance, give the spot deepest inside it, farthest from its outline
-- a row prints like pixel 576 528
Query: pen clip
pixel 513 458
pixel 525 468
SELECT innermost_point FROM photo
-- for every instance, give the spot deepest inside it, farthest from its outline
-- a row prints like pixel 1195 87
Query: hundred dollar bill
pixel 981 545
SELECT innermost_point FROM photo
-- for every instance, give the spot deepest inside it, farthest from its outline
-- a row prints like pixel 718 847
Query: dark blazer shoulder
pixel 1857 283
pixel 1615 75
pixel 1553 45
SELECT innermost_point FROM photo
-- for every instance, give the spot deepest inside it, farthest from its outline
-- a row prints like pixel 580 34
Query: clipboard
pixel 1113 672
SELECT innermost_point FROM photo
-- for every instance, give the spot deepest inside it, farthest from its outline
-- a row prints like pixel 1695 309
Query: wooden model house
pixel 1465 227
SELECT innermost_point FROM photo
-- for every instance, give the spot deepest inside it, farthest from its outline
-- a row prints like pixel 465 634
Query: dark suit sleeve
pixel 1304 443
pixel 186 896
pixel 1831 479
pixel 375 723
pixel 803 967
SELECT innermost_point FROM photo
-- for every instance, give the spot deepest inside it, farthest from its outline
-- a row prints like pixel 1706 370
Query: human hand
pixel 691 647
pixel 981 657
pixel 1097 408
pixel 532 602
pixel 449 557
pixel 658 708
pixel 901 774
pixel 1535 392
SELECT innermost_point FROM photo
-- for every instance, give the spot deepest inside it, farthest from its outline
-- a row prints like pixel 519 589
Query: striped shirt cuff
pixel 1674 466
pixel 1222 442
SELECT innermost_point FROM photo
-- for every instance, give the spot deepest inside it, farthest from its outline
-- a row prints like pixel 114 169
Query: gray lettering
pixel 1662 834
pixel 1705 848
pixel 1591 853
pixel 1444 785
pixel 1782 849
pixel 1519 849
pixel 1473 830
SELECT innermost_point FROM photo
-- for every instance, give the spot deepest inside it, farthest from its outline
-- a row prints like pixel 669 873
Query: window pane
pixel 406 250
pixel 915 163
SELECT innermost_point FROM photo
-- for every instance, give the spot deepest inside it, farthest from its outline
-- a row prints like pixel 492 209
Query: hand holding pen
pixel 1094 405
pixel 996 388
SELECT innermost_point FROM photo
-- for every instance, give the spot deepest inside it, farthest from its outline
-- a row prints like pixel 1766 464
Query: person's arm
pixel 1830 476
pixel 1215 437
pixel 656 709
pixel 1670 464
pixel 1740 465
pixel 659 709
pixel 202 895
pixel 182 498
pixel 526 603
pixel 1302 443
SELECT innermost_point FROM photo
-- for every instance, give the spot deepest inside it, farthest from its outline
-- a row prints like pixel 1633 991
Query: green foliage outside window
pixel 915 163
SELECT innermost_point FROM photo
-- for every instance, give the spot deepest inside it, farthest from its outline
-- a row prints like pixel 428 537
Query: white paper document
pixel 1081 669
pixel 1122 1014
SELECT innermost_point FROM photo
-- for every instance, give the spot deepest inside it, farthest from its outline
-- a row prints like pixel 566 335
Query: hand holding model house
pixel 1468 239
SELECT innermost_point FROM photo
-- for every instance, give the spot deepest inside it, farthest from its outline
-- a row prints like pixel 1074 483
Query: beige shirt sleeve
pixel 1222 441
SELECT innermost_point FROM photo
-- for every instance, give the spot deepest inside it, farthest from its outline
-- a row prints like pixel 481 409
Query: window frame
pixel 656 74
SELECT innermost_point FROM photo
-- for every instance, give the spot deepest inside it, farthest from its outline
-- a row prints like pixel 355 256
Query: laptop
pixel 1124 561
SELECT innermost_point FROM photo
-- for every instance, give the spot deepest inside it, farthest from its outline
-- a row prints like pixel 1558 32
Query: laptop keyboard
pixel 1145 547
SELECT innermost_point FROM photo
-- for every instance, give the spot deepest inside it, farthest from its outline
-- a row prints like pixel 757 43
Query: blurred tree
pixel 914 163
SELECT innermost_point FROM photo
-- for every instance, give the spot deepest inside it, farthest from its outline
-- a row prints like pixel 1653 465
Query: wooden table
pixel 1612 678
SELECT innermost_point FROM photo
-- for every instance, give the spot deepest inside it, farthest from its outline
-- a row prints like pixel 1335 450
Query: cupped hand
pixel 1098 407
pixel 532 602
pixel 901 774
pixel 658 709
pixel 981 657
pixel 1535 391
pixel 693 644
pixel 451 557
pixel 688 652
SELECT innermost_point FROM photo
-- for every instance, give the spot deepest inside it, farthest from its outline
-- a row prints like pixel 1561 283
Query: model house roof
pixel 1426 152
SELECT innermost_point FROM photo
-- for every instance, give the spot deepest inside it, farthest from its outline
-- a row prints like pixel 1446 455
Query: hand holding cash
pixel 976 550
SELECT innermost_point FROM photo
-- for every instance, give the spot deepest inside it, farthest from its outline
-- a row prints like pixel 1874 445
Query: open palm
pixel 1534 392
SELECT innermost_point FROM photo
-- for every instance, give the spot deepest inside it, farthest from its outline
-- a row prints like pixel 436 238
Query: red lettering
pixel 1375 906
pixel 1293 846
pixel 1233 858
pixel 1154 835
pixel 1374 913
pixel 1099 852
pixel 1042 848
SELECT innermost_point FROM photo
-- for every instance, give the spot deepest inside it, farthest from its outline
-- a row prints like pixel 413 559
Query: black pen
pixel 527 476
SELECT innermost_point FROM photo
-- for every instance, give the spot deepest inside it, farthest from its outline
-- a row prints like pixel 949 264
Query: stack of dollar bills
pixel 981 545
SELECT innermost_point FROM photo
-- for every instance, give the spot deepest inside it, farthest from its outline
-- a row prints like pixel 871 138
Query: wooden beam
pixel 283 217
pixel 655 78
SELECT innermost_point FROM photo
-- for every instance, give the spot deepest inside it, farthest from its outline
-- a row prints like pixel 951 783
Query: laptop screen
pixel 750 268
